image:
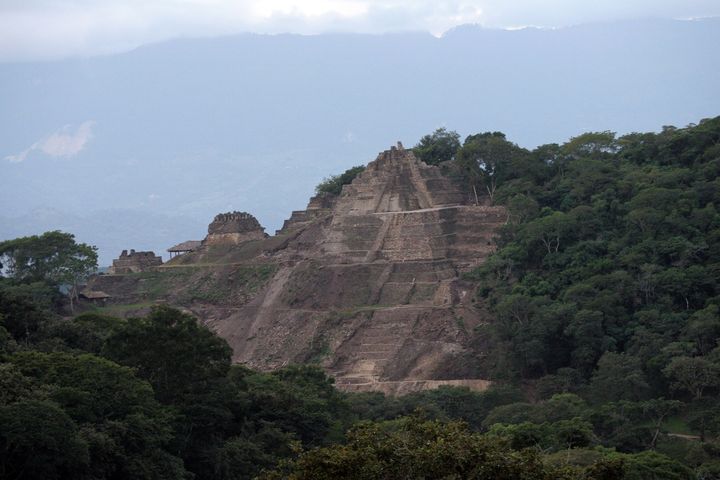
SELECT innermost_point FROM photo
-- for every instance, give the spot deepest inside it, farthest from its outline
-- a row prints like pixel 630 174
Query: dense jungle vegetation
pixel 604 347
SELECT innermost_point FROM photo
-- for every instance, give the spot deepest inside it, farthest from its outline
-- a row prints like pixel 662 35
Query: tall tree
pixel 437 147
pixel 487 158
pixel 54 257
pixel 693 374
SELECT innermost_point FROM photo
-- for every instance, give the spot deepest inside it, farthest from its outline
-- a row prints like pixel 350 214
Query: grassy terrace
pixel 212 283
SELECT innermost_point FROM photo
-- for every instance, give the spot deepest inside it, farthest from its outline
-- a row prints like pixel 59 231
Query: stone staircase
pixel 362 360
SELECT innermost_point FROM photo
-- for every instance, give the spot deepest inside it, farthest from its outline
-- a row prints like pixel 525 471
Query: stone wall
pixel 134 262
pixel 320 205
pixel 395 182
pixel 234 228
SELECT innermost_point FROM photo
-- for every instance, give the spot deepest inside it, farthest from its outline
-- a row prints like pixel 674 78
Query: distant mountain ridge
pixel 190 128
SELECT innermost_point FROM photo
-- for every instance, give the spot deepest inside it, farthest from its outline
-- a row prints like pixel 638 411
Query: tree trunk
pixel 73 294
pixel 72 298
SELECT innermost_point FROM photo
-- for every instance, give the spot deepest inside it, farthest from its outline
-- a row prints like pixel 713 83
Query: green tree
pixel 437 147
pixel 38 440
pixel 573 433
pixel 693 374
pixel 486 159
pixel 87 332
pixel 523 435
pixel 591 144
pixel 333 185
pixel 651 465
pixel 187 366
pixel 412 448
pixel 299 399
pixel 618 377
pixel 126 432
pixel 172 351
pixel 704 328
pixel 53 257
pixel 657 410
pixel 22 315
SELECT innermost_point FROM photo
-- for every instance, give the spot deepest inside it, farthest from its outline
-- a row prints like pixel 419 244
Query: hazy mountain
pixel 172 133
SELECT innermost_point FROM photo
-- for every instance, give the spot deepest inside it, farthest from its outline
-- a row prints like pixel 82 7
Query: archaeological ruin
pixel 134 262
pixel 234 228
pixel 367 283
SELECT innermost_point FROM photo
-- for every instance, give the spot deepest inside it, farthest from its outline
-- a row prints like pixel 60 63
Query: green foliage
pixel 333 185
pixel 187 366
pixel 612 246
pixel 618 377
pixel 654 465
pixel 487 160
pixel 437 147
pixel 172 351
pixel 445 403
pixel 38 440
pixel 25 309
pixel 87 332
pixel 412 448
pixel 108 420
pixel 693 374
pixel 53 256
pixel 299 399
pixel 605 285
pixel 173 408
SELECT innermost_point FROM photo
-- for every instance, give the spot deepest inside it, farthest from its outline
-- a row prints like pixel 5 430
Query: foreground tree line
pixel 604 349
pixel 97 397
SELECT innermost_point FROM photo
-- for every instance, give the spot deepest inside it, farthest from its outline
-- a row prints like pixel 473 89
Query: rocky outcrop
pixel 134 262
pixel 234 228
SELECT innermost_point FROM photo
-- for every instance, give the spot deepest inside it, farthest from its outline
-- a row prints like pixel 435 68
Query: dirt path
pixel 684 436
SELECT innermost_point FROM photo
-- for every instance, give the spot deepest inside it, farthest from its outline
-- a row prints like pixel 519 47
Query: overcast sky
pixel 47 29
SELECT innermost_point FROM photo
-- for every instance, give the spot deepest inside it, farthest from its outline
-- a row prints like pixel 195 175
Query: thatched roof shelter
pixel 93 295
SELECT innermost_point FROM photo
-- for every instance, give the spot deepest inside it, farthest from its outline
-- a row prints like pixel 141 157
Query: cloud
pixel 48 29
pixel 63 143
pixel 349 137
pixel 20 157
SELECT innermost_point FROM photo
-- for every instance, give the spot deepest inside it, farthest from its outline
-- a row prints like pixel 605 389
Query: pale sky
pixel 49 29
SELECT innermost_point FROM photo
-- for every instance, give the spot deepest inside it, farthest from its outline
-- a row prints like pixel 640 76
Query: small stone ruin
pixel 134 262
pixel 234 228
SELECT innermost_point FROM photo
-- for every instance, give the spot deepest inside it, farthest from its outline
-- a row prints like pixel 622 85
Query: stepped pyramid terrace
pixel 367 283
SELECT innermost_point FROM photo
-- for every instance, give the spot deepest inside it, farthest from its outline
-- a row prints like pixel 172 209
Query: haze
pixel 134 144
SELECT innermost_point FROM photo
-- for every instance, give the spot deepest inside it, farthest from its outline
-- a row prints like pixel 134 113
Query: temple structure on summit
pixel 234 228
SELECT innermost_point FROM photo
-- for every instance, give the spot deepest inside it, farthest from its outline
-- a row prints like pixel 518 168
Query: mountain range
pixel 141 149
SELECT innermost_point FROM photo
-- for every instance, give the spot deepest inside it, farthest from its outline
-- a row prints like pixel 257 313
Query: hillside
pixel 366 283
pixel 589 300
